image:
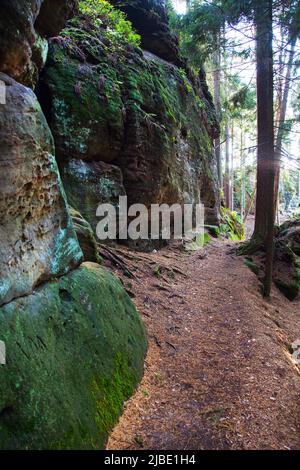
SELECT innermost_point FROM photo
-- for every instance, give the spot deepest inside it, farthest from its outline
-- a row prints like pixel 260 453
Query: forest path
pixel 218 374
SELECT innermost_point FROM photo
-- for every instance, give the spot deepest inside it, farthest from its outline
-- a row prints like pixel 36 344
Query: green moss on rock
pixel 113 103
pixel 252 266
pixel 75 351
pixel 289 289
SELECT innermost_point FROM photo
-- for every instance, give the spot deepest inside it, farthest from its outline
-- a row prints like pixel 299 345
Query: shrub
pixel 116 21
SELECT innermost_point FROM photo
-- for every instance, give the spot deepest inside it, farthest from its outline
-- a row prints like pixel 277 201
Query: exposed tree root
pixel 250 247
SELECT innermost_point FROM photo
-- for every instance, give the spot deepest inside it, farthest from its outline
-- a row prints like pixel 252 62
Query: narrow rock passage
pixel 218 374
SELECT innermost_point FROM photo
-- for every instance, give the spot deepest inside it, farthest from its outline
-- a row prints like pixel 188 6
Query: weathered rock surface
pixel 86 237
pixel 22 50
pixel 17 19
pixel 75 352
pixel 150 19
pixel 37 237
pixel 87 184
pixel 108 102
pixel 53 16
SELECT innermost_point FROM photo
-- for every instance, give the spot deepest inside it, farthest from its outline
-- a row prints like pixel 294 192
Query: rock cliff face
pixel 37 237
pixel 24 26
pixel 18 36
pixel 150 19
pixel 123 121
pixel 75 344
pixel 127 121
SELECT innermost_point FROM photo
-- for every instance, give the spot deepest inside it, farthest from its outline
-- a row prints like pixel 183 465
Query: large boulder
pixel 22 50
pixel 106 101
pixel 38 241
pixel 74 354
pixel 75 344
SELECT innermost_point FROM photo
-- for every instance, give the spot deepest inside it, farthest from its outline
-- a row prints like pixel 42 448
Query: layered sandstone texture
pixel 37 238
pixel 127 120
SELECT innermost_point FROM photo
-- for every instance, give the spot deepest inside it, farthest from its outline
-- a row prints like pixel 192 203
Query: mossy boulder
pixel 108 101
pixel 74 353
pixel 286 266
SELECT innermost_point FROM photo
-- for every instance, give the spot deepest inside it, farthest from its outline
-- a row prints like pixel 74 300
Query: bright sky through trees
pixel 241 38
pixel 180 6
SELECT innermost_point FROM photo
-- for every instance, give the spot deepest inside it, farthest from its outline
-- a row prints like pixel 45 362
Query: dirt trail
pixel 218 374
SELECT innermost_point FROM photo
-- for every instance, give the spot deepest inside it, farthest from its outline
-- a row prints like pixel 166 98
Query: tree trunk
pixel 282 106
pixel 243 179
pixel 217 101
pixel 231 173
pixel 265 213
pixel 227 192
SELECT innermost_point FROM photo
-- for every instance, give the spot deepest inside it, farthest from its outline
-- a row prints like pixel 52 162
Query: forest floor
pixel 218 374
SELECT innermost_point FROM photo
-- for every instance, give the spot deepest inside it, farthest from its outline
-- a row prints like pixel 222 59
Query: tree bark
pixel 231 173
pixel 243 179
pixel 227 192
pixel 265 213
pixel 282 106
pixel 217 101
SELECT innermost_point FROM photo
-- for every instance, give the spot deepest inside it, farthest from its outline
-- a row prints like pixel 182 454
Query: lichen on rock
pixel 89 184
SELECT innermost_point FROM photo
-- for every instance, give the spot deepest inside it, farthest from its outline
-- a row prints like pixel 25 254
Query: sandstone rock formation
pixel 96 182
pixel 124 121
pixel 23 47
pixel 75 344
pixel 150 19
pixel 53 16
pixel 75 352
pixel 110 102
pixel 37 238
